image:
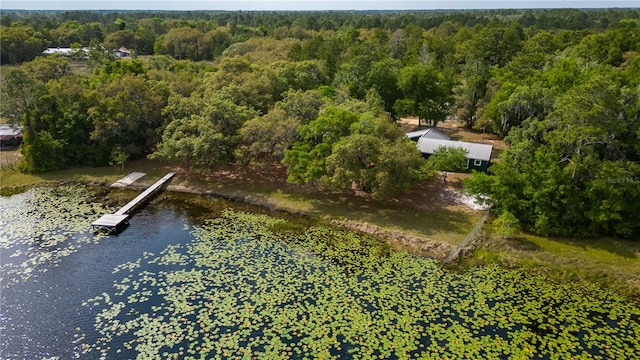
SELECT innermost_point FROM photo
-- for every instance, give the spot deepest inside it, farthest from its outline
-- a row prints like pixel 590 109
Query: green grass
pixel 604 251
pixel 440 225
pixel 607 261
pixel 11 180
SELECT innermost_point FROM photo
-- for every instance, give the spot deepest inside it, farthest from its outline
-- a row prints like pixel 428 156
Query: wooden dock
pixel 113 222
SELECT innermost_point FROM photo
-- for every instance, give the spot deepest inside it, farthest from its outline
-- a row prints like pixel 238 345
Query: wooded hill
pixel 318 91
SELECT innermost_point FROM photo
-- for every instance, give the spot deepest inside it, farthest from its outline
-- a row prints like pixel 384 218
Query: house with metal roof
pixel 478 155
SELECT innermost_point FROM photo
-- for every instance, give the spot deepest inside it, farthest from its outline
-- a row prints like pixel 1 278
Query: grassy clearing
pixel 442 225
pixel 607 261
pixel 12 180
pixel 9 157
pixel 448 225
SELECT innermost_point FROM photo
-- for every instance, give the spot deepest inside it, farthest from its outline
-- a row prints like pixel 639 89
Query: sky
pixel 308 4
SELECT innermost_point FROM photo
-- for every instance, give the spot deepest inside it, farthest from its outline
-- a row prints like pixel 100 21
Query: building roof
pixel 10 130
pixel 65 51
pixel 428 133
pixel 474 150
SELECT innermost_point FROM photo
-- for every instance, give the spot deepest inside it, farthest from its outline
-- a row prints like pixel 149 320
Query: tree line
pixel 24 34
pixel 265 87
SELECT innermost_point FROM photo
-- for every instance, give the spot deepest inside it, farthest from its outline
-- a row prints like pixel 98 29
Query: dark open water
pixel 42 316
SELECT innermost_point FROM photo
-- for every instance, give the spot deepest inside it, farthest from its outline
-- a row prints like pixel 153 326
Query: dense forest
pixel 319 92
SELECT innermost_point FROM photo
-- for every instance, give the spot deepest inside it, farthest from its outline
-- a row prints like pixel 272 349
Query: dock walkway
pixel 113 222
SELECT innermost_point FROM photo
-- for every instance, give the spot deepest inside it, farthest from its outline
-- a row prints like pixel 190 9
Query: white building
pixel 65 51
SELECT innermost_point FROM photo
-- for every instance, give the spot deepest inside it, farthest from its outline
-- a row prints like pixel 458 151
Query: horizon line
pixel 329 10
pixel 311 5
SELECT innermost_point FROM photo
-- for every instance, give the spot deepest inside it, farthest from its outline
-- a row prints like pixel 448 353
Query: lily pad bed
pixel 254 286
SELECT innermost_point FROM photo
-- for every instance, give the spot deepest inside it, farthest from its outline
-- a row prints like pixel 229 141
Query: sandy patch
pixel 464 199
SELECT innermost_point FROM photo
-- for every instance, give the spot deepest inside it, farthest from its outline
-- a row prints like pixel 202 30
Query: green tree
pixel 240 82
pixel 19 43
pixel 118 39
pixel 306 159
pixel 45 68
pixel 217 41
pixel 471 90
pixel 353 161
pixel 125 114
pixel 376 165
pixel 566 173
pixel 506 225
pixel 354 73
pixel 614 199
pixel 426 94
pixel 303 75
pixel 68 32
pixel 119 158
pixel 20 93
pixel 195 139
pixel 73 125
pixel 383 77
pixel 341 148
pixel 41 151
pixel 181 43
pixel 302 105
pixel 514 104
pixel 448 159
pixel 265 139
pixel 201 130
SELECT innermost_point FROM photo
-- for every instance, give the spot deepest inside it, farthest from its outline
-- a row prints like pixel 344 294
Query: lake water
pixel 243 285
pixel 39 314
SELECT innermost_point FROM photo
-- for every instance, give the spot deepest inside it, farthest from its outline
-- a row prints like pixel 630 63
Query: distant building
pixel 122 53
pixel 65 51
pixel 10 135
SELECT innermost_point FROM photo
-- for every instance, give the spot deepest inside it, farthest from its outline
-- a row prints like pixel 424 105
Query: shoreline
pixel 397 239
pixel 605 262
pixel 464 256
